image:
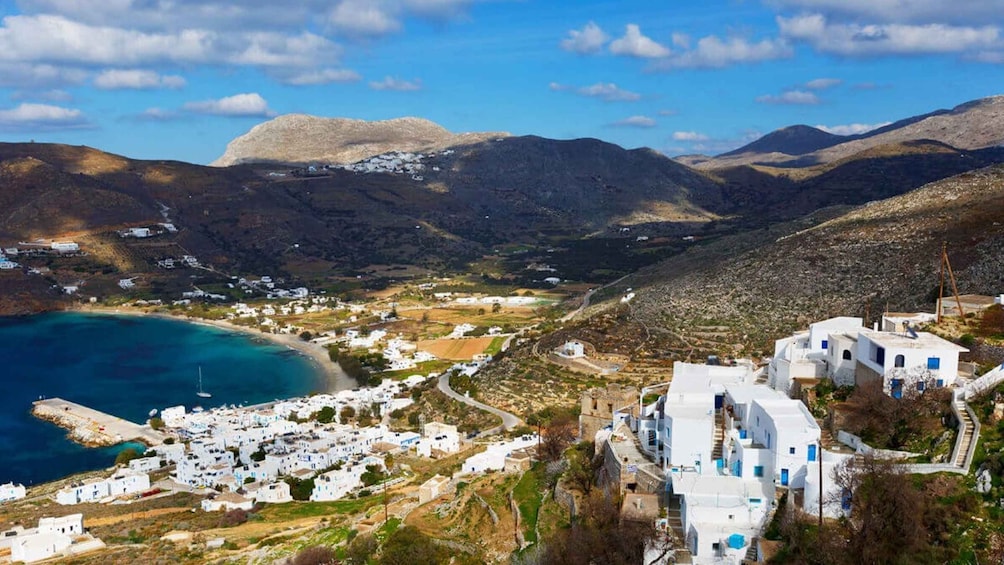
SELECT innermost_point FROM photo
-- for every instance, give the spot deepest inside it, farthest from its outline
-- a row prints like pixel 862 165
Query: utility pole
pixel 819 460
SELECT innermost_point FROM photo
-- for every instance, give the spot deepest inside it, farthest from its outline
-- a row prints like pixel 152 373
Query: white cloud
pixel 54 39
pixel 393 83
pixel 364 17
pixel 855 39
pixel 852 129
pixel 634 44
pixel 715 52
pixel 239 105
pixel 606 91
pixel 114 79
pixel 322 76
pixel 823 83
pixel 54 95
pixel 157 115
pixel 689 136
pixel 41 117
pixel 590 39
pixel 792 97
pixel 28 75
pixel 635 122
pixel 901 11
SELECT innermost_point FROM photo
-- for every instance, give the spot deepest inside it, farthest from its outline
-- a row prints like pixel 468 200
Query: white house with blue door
pixel 906 362
pixel 784 428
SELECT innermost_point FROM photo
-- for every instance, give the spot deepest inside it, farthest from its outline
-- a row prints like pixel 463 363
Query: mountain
pixel 974 125
pixel 883 255
pixel 575 196
pixel 303 139
pixel 792 140
pixel 778 194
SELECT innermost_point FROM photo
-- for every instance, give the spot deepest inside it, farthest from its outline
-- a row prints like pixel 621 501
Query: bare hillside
pixel 882 254
pixel 299 138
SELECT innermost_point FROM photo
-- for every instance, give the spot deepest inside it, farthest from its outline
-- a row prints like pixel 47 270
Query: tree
pixel 300 489
pixel 409 546
pixel 326 415
pixel 373 475
pixel 600 537
pixel 306 336
pixel 259 455
pixel 127 455
pixel 558 435
pixel 346 414
pixel 361 549
pixel 425 317
pixel 315 555
pixel 887 513
pixel 157 423
pixel 496 308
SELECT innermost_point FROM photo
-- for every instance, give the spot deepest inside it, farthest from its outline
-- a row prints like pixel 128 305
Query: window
pixel 847 355
pixel 934 363
pixel 826 344
pixel 920 386
pixel 791 451
pixel 880 355
pixel 758 471
pixel 900 361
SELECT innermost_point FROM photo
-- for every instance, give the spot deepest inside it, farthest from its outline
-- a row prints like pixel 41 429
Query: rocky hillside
pixel 755 287
pixel 302 139
pixel 973 125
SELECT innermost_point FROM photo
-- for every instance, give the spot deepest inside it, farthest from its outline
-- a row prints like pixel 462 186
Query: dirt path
pixel 109 520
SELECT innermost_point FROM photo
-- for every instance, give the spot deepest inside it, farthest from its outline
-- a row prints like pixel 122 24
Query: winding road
pixel 587 297
pixel 509 421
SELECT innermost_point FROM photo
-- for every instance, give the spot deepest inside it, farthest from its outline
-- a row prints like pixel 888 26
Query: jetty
pixel 91 427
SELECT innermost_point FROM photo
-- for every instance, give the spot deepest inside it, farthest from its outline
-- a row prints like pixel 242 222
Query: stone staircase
pixel 719 436
pixel 968 434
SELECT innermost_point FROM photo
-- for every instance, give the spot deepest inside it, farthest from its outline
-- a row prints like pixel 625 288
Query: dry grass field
pixel 456 349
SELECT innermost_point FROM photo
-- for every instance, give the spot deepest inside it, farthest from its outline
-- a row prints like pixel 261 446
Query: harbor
pixel 93 428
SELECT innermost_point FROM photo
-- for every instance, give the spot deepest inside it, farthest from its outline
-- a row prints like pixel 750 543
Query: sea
pixel 125 366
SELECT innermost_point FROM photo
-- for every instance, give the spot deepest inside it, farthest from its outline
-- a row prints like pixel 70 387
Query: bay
pixel 125 366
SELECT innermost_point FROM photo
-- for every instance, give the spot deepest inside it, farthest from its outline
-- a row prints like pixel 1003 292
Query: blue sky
pixel 177 79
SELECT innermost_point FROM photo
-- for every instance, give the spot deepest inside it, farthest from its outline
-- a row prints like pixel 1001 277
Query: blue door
pixel 812 452
pixel 719 401
pixel 784 477
pixel 896 388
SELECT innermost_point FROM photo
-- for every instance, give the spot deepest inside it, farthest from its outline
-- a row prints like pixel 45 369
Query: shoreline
pixel 335 379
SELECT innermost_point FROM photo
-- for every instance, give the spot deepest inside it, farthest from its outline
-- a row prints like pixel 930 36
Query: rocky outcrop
pixel 301 139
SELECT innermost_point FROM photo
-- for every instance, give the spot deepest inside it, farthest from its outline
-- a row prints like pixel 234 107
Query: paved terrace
pixel 91 427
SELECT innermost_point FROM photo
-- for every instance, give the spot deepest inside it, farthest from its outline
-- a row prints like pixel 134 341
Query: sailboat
pixel 202 393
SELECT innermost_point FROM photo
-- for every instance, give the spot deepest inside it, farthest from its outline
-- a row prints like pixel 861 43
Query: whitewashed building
pixel 11 491
pixel 903 362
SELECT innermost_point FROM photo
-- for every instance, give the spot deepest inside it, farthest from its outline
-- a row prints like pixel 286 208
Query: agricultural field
pixel 457 349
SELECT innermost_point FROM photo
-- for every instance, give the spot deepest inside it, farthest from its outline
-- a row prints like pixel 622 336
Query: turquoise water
pixel 125 366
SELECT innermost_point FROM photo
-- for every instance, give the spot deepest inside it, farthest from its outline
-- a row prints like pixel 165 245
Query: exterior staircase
pixel 967 437
pixel 719 436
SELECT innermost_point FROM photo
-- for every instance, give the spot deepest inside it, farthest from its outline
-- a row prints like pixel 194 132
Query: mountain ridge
pixel 975 124
pixel 305 139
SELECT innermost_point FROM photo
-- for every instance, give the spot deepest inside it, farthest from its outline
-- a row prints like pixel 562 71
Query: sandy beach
pixel 318 355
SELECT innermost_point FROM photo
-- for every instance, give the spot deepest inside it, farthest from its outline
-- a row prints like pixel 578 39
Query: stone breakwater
pixel 90 427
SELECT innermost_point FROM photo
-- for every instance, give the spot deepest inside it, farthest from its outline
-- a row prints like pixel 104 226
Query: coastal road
pixel 509 421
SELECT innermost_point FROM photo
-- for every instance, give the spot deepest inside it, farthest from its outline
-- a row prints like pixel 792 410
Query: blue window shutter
pixel 933 363
pixel 825 344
